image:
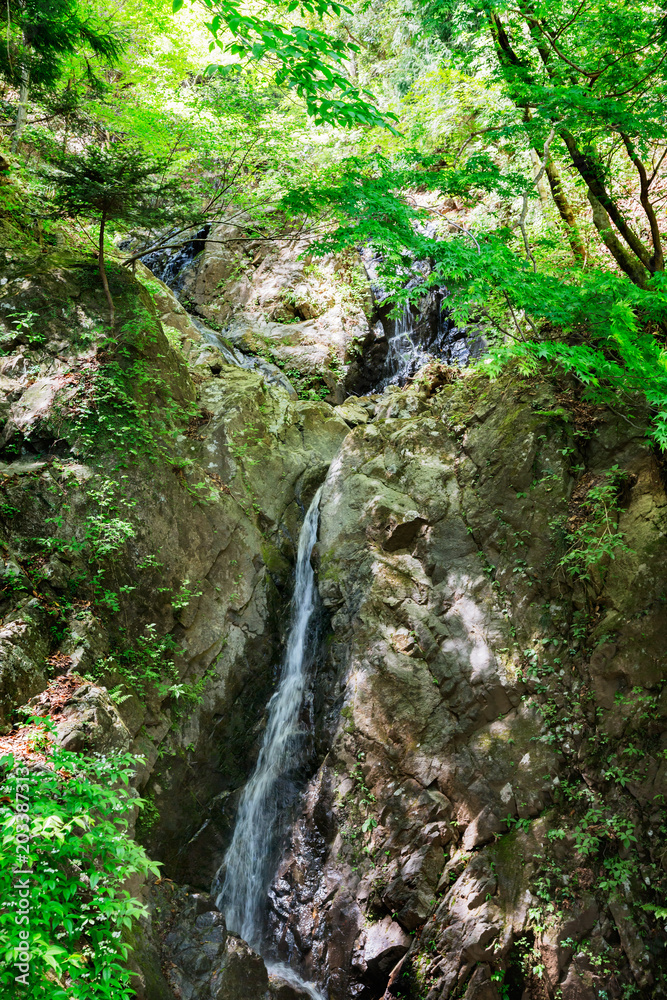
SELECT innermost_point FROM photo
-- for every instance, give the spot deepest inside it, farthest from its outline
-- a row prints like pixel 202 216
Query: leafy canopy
pixel 594 76
pixel 306 59
pixel 40 35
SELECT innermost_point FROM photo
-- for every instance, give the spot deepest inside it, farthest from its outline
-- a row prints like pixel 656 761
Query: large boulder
pixel 272 303
pixel 24 644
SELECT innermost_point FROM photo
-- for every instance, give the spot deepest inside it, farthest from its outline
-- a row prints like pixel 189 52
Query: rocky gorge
pixel 478 804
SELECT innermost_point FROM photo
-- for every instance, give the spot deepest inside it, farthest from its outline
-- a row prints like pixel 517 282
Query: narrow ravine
pixel 333 501
pixel 265 802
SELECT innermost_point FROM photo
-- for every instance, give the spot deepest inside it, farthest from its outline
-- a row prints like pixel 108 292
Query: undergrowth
pixel 65 859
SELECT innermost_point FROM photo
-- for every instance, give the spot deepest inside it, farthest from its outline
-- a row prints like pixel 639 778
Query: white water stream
pixel 250 857
pixel 404 355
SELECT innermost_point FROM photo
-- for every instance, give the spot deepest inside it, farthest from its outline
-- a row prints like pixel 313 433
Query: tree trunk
pixel 506 56
pixel 625 260
pixel 634 258
pixel 24 93
pixel 541 186
pixel 590 174
pixel 565 210
pixel 103 274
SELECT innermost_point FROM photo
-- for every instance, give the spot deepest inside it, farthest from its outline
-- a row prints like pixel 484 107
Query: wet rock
pixel 227 527
pixel 285 984
pixel 188 939
pixel 284 991
pixel 242 975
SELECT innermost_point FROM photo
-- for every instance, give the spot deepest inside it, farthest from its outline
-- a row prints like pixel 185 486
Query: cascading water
pixel 405 354
pixel 169 263
pixel 435 338
pixel 264 807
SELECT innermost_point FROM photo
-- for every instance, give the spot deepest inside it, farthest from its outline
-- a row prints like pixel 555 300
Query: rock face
pixel 193 957
pixel 23 649
pixel 428 822
pixel 484 814
pixel 190 955
pixel 307 318
pixel 208 527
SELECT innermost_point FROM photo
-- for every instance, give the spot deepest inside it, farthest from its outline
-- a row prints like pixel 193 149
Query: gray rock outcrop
pixel 483 809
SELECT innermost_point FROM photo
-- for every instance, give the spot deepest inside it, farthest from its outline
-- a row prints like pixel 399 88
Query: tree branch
pixel 657 262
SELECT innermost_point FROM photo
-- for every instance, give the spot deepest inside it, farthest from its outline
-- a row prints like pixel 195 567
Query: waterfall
pixel 249 861
pixel 404 355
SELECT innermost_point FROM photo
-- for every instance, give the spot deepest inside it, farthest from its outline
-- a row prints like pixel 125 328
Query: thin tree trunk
pixel 103 273
pixel 22 115
pixel 566 211
pixel 541 186
pixel 657 261
pixel 589 172
pixel 561 201
pixel 595 185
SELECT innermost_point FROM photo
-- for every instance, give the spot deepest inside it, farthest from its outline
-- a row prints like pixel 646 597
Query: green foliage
pixel 618 874
pixel 619 358
pixel 366 196
pixel 566 81
pixel 77 857
pixel 148 667
pixel 595 825
pixel 519 823
pixel 95 537
pixel 148 664
pixel 305 59
pixel 23 325
pixel 101 533
pixel 108 415
pixel 575 76
pixel 185 594
pixel 186 697
pixel 125 406
pixel 597 539
pixel 118 182
pixel 499 979
pixel 39 36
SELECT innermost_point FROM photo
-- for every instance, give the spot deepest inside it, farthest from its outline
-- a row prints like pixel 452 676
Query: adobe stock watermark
pixel 22 875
